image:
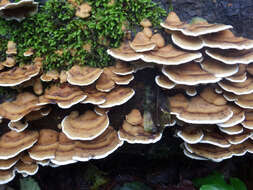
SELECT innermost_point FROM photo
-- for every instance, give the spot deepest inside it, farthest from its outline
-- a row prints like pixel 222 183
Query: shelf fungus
pixel 19 74
pixel 134 130
pixel 12 143
pixel 64 95
pixel 19 10
pixel 18 126
pixel 64 152
pixel 227 40
pixel 202 109
pixel 237 118
pixel 117 96
pixel 109 80
pixel 83 76
pixel 85 126
pixel 189 74
pixel 15 110
pixel 46 145
pixel 164 82
pixel 98 148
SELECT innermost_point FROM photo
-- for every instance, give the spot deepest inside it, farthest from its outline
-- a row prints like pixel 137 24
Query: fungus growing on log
pixel 20 10
pixel 86 126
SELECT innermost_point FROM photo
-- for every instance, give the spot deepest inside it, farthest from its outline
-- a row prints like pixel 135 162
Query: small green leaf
pixel 133 186
pixel 237 184
pixel 28 183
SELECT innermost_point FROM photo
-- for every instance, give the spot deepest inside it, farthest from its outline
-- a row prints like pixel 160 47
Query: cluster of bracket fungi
pixel 207 73
pixel 205 69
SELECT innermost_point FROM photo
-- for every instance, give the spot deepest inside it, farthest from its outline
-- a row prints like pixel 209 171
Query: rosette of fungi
pixel 18 10
pixel 136 129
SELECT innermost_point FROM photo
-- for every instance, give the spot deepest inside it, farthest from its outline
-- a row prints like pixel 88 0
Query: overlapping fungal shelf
pixel 207 73
pixel 81 135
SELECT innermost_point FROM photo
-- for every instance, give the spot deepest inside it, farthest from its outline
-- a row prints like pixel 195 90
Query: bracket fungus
pixel 64 95
pixel 15 110
pixel 133 130
pixel 86 126
pixel 19 10
pixel 12 143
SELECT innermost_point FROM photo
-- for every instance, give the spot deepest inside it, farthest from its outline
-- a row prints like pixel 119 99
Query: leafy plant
pixel 133 186
pixel 28 183
pixel 216 181
pixel 95 177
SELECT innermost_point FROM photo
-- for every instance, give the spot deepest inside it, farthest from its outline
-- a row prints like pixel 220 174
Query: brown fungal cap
pixel 212 152
pixel 124 52
pixel 12 143
pixel 172 22
pixel 99 147
pixel 142 43
pixel 158 40
pixel 134 117
pixel 7 175
pixel 105 82
pixel 7 164
pixel 187 42
pixel 218 68
pixel 117 96
pixel 169 55
pixel 191 134
pixel 238 138
pixel 164 82
pixel 17 109
pixel 248 122
pixel 240 76
pixel 84 127
pixel 94 96
pixel 231 56
pixel 11 47
pixel 226 40
pixel 145 23
pixel 83 76
pixel 65 95
pixel 18 75
pixel 197 27
pixel 236 129
pixel 122 68
pixel 46 145
pixel 178 103
pixel 65 151
pixel 200 111
pixel 238 88
pixel 136 134
pixel 245 101
pixel 9 62
pixel 18 126
pixel 26 169
pixel 216 139
pixel 83 11
pixel 49 76
pixel 29 52
pixel 19 10
pixel 209 95
pixel 189 74
pixel 238 117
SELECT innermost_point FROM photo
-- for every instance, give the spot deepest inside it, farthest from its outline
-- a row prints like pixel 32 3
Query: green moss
pixel 55 27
